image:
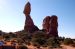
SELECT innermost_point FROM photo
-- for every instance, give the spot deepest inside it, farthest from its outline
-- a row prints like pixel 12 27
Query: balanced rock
pixel 46 23
pixel 27 9
pixel 29 24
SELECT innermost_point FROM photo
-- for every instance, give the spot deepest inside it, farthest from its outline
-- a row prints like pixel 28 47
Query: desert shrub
pixel 22 47
pixel 39 41
pixel 25 37
pixel 68 41
pixel 53 42
pixel 39 34
pixel 7 37
pixel 39 38
pixel 20 41
pixel 73 43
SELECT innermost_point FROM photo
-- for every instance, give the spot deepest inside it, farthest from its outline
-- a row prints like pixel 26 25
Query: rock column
pixel 46 23
pixel 54 26
pixel 29 24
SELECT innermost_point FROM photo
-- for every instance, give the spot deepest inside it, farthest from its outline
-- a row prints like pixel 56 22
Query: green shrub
pixel 53 42
pixel 22 47
pixel 68 41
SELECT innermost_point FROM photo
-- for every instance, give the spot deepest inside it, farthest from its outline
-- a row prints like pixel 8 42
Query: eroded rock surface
pixel 29 24
pixel 54 26
pixel 46 23
pixel 50 25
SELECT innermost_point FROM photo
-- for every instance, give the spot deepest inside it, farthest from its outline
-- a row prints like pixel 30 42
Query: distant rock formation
pixel 46 23
pixel 29 24
pixel 54 26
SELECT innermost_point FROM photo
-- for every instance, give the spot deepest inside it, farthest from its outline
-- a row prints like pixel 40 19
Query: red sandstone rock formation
pixel 54 26
pixel 27 9
pixel 50 25
pixel 29 24
pixel 46 23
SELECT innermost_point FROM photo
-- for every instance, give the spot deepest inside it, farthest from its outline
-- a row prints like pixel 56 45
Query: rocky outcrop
pixel 29 24
pixel 46 23
pixel 54 26
pixel 50 25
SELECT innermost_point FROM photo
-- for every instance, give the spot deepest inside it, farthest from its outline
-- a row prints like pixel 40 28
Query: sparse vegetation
pixel 22 47
pixel 37 39
pixel 68 41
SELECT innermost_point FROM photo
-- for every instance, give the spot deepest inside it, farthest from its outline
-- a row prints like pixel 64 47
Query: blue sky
pixel 12 18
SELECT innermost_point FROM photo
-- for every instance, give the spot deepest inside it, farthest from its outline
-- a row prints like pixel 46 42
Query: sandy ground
pixel 32 47
pixel 63 47
pixel 68 47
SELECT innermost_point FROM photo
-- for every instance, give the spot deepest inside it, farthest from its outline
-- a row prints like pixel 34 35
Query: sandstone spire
pixel 54 26
pixel 29 24
pixel 50 25
pixel 46 23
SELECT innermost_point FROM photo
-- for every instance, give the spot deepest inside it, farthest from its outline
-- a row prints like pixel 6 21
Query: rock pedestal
pixel 29 24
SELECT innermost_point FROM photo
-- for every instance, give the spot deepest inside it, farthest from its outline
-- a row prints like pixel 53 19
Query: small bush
pixel 23 47
pixel 53 42
pixel 68 41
